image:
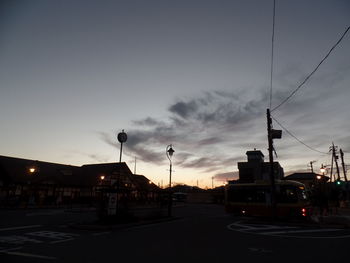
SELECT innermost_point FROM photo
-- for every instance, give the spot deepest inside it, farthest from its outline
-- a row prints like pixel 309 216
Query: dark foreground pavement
pixel 198 233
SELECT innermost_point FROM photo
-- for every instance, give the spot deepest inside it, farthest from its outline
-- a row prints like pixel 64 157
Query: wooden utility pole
pixel 272 175
pixel 311 166
pixel 335 158
pixel 331 149
pixel 336 162
pixel 343 164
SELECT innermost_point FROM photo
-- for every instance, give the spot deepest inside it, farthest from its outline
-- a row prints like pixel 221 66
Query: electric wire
pixel 272 48
pixel 287 131
pixel 309 76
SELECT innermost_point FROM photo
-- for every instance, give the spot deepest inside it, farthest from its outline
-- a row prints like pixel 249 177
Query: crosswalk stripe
pixel 29 255
pixel 19 227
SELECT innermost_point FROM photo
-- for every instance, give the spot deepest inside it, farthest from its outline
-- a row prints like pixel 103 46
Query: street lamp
pixel 323 169
pixel 169 153
pixel 122 137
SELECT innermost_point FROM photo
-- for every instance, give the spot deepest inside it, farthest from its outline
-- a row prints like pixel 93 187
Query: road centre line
pixel 19 227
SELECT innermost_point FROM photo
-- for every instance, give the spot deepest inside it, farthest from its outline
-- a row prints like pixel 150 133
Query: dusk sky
pixel 195 74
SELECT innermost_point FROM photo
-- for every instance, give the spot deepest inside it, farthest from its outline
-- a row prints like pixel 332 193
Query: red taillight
pixel 303 212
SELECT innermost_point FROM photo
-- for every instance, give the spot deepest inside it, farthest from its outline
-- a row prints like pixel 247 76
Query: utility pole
pixel 212 182
pixel 343 165
pixel 312 168
pixel 331 149
pixel 335 160
pixel 272 176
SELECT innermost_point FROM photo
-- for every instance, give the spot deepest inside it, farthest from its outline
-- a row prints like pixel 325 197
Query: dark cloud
pixel 184 109
pixel 147 122
pixel 107 138
pixel 203 130
pixel 224 177
pixel 213 131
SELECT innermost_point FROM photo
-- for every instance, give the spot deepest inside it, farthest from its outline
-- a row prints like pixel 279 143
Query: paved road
pixel 200 233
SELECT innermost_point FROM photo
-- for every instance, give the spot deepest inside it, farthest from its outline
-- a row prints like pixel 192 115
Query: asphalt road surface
pixel 199 233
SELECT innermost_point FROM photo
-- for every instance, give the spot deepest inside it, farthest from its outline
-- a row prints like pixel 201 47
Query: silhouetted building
pixel 308 179
pixel 35 183
pixel 256 169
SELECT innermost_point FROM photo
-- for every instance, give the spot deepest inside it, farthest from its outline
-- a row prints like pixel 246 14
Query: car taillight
pixel 303 211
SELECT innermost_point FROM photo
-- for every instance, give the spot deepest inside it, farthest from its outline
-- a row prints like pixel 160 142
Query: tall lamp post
pixel 169 153
pixel 122 137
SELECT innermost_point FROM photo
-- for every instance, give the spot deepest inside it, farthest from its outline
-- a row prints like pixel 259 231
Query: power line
pixel 272 48
pixel 309 76
pixel 285 129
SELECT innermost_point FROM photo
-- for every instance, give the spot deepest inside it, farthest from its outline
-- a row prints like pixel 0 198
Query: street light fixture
pixel 122 137
pixel 169 153
pixel 323 169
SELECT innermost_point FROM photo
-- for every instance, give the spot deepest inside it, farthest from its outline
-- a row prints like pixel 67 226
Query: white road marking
pixel 248 228
pixel 22 254
pixel 19 227
pixel 61 241
pixel 4 250
pixel 52 235
pixel 298 231
pixel 283 231
pixel 14 239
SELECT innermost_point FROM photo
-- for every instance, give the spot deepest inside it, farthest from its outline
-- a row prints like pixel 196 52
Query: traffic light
pixel 338 182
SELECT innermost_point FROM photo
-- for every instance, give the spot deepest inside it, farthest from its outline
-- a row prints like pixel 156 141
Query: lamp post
pixel 122 137
pixel 169 153
pixel 323 169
